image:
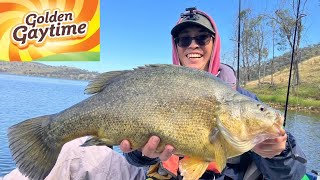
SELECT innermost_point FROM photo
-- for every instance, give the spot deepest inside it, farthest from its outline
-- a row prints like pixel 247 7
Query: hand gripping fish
pixel 197 113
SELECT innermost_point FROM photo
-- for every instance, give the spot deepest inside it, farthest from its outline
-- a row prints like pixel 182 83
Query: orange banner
pixel 55 30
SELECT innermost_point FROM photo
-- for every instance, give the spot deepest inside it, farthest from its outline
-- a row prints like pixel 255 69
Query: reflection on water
pixel 26 97
pixel 306 129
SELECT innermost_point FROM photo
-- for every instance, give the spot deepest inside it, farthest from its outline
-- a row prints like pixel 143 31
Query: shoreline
pixel 305 109
pixel 44 76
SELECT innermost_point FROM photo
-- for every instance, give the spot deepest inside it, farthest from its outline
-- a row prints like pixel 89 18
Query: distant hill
pixel 38 69
pixel 305 96
pixel 283 61
pixel 309 73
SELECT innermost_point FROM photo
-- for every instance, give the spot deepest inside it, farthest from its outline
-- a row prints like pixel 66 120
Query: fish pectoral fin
pixel 220 161
pixel 214 135
pixel 192 168
pixel 95 141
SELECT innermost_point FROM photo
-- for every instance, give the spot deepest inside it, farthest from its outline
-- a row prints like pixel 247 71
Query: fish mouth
pixel 276 130
pixel 278 125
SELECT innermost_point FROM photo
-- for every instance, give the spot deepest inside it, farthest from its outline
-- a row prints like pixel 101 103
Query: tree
pixel 260 51
pixel 287 21
pixel 253 44
pixel 274 31
pixel 246 44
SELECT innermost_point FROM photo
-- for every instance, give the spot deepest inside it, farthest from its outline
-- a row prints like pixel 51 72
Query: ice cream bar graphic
pixel 50 30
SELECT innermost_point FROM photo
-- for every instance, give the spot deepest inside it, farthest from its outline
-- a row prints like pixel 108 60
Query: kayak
pixel 314 175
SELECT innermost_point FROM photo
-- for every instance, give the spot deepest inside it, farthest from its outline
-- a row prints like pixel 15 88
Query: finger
pixel 282 138
pixel 167 153
pixel 268 150
pixel 272 147
pixel 282 131
pixel 266 153
pixel 268 141
pixel 269 154
pixel 149 149
pixel 125 146
pixel 276 140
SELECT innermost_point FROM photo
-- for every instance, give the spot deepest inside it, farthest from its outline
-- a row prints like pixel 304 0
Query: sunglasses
pixel 201 40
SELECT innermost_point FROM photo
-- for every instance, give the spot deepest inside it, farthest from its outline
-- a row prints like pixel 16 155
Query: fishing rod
pixel 238 63
pixel 294 155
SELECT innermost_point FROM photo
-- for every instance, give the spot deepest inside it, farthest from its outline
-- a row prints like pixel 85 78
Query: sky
pixel 135 33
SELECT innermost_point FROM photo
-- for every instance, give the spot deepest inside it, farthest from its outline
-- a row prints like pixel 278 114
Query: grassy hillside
pixel 282 61
pixel 306 96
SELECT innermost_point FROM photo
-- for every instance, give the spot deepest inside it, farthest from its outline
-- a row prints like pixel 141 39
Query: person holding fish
pixel 196 44
pixel 157 113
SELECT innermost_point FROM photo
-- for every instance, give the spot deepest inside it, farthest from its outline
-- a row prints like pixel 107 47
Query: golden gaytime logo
pixel 36 28
pixel 55 30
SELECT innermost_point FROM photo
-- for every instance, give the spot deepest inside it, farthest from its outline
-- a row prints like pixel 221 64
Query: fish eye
pixel 261 107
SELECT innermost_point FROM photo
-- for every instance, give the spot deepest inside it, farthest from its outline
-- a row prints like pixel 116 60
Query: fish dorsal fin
pixel 100 82
pixel 192 168
pixel 147 66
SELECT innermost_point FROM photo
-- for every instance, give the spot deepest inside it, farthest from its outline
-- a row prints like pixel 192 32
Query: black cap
pixel 192 17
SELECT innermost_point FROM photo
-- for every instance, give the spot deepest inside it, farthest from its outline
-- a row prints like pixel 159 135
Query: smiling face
pixel 195 55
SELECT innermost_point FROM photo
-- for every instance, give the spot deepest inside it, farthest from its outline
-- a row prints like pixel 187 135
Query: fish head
pixel 247 122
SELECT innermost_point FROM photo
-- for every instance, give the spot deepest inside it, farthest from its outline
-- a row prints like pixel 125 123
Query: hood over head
pixel 200 18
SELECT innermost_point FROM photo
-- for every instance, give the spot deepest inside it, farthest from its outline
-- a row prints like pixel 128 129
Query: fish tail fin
pixel 33 152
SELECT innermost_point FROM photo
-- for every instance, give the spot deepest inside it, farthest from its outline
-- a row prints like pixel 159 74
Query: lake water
pixel 24 97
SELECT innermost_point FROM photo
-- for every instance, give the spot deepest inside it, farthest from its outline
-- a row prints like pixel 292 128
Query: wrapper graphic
pixel 49 30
